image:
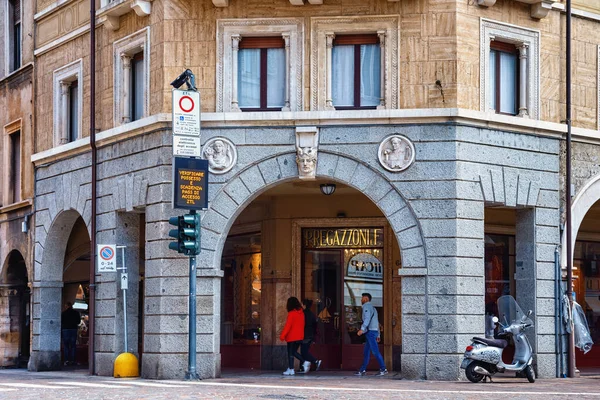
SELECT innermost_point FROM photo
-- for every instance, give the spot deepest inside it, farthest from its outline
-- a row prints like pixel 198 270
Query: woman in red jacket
pixel 293 333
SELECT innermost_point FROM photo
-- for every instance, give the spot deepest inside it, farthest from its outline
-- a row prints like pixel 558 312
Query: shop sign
pixel 190 183
pixel 344 237
pixel 365 266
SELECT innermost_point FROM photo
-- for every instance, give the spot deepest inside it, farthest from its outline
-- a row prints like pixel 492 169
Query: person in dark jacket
pixel 69 322
pixel 310 330
pixel 293 333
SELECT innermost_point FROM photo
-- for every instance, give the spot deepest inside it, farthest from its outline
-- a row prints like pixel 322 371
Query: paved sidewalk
pixel 76 384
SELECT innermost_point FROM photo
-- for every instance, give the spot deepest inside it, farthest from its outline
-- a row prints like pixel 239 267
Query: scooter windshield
pixel 510 312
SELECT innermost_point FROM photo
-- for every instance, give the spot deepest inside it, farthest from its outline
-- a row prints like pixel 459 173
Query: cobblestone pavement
pixel 20 384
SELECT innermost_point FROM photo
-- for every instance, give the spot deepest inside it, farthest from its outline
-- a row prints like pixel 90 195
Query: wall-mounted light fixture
pixel 327 188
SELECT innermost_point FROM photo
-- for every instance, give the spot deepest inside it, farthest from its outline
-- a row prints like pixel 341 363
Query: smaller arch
pixel 55 246
pixel 587 196
pixel 14 271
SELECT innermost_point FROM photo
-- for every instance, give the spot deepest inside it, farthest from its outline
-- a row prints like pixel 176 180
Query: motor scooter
pixel 483 357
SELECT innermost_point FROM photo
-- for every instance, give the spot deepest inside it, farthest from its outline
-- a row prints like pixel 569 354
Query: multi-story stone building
pixel 16 179
pixel 436 124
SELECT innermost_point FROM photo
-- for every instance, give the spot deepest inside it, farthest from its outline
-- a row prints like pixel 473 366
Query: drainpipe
pixel 92 305
pixel 568 192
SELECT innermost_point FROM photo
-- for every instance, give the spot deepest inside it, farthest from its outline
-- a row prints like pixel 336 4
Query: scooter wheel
pixel 530 373
pixel 471 374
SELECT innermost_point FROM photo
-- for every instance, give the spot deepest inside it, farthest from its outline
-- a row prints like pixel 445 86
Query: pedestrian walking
pixel 69 322
pixel 310 330
pixel 293 333
pixel 370 328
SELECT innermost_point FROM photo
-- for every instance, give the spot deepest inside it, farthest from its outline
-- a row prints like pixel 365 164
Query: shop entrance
pixel 338 265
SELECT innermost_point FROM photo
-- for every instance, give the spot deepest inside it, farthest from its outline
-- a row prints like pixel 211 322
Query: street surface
pixel 20 384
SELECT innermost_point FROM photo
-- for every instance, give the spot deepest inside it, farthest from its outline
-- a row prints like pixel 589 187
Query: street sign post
pixel 107 260
pixel 124 285
pixel 190 183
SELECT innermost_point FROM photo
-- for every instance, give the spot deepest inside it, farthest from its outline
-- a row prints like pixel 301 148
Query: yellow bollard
pixel 126 366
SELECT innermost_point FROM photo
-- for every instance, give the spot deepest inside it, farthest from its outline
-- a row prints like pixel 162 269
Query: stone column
pixel 523 79
pixel 45 354
pixel 235 46
pixel 166 304
pixel 64 111
pixel 381 35
pixel 525 272
pixel 286 39
pixel 126 60
pixel 329 36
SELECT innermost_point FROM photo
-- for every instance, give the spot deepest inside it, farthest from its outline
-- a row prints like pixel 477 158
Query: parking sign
pixel 107 258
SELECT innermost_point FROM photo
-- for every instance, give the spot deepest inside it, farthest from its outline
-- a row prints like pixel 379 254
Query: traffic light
pixel 177 234
pixel 191 234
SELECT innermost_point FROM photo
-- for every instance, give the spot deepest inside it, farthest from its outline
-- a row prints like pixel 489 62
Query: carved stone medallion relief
pixel 396 153
pixel 221 155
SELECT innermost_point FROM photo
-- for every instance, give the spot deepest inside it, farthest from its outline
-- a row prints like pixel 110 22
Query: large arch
pixel 581 204
pixel 249 183
pixel 50 257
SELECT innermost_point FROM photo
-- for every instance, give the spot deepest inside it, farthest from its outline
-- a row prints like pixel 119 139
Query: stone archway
pixel 254 180
pixel 248 184
pixel 14 308
pixel 581 204
pixel 48 283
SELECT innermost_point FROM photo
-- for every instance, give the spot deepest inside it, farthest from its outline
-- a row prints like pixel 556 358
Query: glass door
pixel 363 273
pixel 321 282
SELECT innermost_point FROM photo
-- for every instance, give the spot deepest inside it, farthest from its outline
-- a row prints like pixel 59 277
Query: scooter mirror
pixel 528 313
pixel 495 319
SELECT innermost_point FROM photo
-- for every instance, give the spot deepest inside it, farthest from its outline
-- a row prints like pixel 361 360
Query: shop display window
pixel 586 271
pixel 499 270
pixel 242 288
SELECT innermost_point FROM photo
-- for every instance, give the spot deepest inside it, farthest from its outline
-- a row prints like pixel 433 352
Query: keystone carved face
pixel 306 158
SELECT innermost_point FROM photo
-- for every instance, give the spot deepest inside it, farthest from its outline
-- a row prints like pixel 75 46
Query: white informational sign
pixel 365 266
pixel 186 113
pixel 186 146
pixel 107 258
pixel 124 281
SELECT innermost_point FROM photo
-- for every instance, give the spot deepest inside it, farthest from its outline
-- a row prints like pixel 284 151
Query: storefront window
pixel 499 270
pixel 586 270
pixel 241 264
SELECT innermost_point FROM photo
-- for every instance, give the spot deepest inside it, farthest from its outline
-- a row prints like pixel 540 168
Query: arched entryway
pixel 62 278
pixel 235 220
pixel 293 240
pixel 76 287
pixel 586 264
pixel 15 304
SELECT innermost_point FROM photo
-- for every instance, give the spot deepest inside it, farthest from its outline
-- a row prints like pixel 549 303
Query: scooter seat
pixel 500 343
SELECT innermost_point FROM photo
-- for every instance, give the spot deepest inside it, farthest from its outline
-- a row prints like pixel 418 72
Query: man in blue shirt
pixel 370 328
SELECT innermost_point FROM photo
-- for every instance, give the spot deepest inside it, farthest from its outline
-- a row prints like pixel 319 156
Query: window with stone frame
pixel 67 103
pixel 260 64
pixel 261 74
pixel 497 41
pixel 355 62
pixel 504 78
pixel 13 35
pixel 10 173
pixel 131 77
pixel 356 72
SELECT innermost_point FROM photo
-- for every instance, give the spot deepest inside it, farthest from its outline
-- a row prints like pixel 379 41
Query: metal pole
pixel 191 372
pixel 568 190
pixel 124 289
pixel 92 272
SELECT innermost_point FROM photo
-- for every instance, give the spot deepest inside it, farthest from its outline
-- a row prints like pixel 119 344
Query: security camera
pixel 186 77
